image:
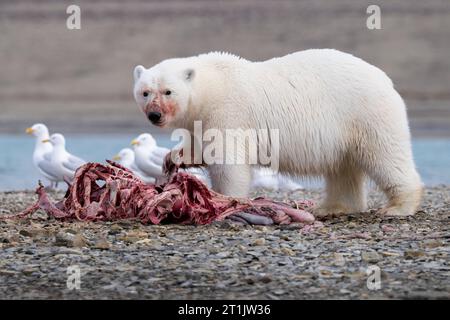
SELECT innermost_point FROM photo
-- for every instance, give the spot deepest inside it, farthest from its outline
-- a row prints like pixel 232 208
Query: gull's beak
pixel 46 140
pixel 134 142
pixel 116 157
pixel 29 130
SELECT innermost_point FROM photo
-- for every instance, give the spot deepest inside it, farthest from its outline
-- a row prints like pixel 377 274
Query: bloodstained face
pixel 160 108
pixel 162 92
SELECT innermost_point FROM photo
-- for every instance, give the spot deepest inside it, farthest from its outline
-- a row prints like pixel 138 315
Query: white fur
pixel 338 116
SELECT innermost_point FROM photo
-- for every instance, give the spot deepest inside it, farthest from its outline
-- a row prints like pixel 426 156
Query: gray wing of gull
pixel 76 160
pixel 73 163
pixel 133 167
pixel 48 156
pixel 48 169
pixel 150 168
pixel 156 159
pixel 160 152
pixel 139 173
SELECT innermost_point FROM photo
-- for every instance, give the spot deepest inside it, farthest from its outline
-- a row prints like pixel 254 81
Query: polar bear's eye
pixel 145 93
pixel 168 92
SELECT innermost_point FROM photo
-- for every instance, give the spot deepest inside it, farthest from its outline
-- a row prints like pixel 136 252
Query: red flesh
pixel 183 199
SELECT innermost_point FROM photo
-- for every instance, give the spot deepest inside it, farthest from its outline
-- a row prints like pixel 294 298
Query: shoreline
pixel 225 260
pixel 427 118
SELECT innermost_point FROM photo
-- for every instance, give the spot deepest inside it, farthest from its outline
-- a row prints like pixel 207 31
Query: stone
pixel 259 242
pixel 65 239
pixel 102 244
pixel 413 254
pixel 339 259
pixel 370 256
pixel 288 251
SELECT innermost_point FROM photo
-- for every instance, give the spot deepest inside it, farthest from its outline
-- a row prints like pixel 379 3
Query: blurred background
pixel 79 82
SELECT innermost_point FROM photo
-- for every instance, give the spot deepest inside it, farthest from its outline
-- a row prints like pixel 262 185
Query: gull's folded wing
pixel 73 163
pixel 160 152
pixel 150 168
pixel 48 169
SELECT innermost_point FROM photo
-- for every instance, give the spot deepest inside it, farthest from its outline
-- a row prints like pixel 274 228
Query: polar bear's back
pixel 327 68
pixel 322 97
pixel 324 82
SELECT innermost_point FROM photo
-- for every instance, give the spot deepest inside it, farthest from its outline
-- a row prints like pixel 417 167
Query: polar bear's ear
pixel 137 72
pixel 189 74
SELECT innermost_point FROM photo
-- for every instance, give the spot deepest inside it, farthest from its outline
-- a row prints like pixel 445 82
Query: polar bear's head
pixel 163 92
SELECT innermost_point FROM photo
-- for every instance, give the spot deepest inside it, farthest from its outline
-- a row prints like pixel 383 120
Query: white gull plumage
pixel 149 157
pixel 126 158
pixel 59 162
pixel 268 179
pixel 41 149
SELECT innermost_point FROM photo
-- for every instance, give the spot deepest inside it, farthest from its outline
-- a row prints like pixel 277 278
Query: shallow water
pixel 17 172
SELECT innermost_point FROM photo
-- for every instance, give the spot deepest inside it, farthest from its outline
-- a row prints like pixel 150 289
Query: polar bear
pixel 338 117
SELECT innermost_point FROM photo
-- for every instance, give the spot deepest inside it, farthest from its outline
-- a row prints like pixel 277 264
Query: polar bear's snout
pixel 154 117
pixel 160 112
pixel 155 113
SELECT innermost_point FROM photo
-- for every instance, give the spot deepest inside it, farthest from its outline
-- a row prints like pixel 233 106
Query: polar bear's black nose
pixel 154 116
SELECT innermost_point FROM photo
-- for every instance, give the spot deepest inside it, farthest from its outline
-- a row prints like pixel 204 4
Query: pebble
pixel 288 251
pixel 66 239
pixel 388 228
pixel 259 242
pixel 413 254
pixel 370 256
pixel 115 229
pixel 102 244
pixel 339 259
pixel 144 242
pixel 25 233
pixel 265 279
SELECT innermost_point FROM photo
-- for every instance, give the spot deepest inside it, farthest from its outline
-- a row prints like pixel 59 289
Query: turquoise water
pixel 17 172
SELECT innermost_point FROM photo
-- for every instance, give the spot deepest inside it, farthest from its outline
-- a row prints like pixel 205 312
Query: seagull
pixel 149 157
pixel 41 150
pixel 268 179
pixel 265 179
pixel 288 184
pixel 59 162
pixel 126 158
pixel 200 174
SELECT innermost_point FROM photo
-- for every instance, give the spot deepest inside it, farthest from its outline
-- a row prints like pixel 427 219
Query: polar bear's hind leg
pixel 394 172
pixel 403 190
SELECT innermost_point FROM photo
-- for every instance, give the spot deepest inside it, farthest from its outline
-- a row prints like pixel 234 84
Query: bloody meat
pixel 106 192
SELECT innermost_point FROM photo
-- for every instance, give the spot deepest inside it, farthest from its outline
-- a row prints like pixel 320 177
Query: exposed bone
pixel 183 199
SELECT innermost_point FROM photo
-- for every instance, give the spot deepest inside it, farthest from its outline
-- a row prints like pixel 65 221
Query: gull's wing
pixel 47 156
pixel 289 184
pixel 133 167
pixel 140 174
pixel 156 159
pixel 147 179
pixel 149 167
pixel 48 169
pixel 263 178
pixel 75 160
pixel 160 152
pixel 157 155
pixel 73 163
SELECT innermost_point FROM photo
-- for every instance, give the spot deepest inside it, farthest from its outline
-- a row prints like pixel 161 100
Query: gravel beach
pixel 127 260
